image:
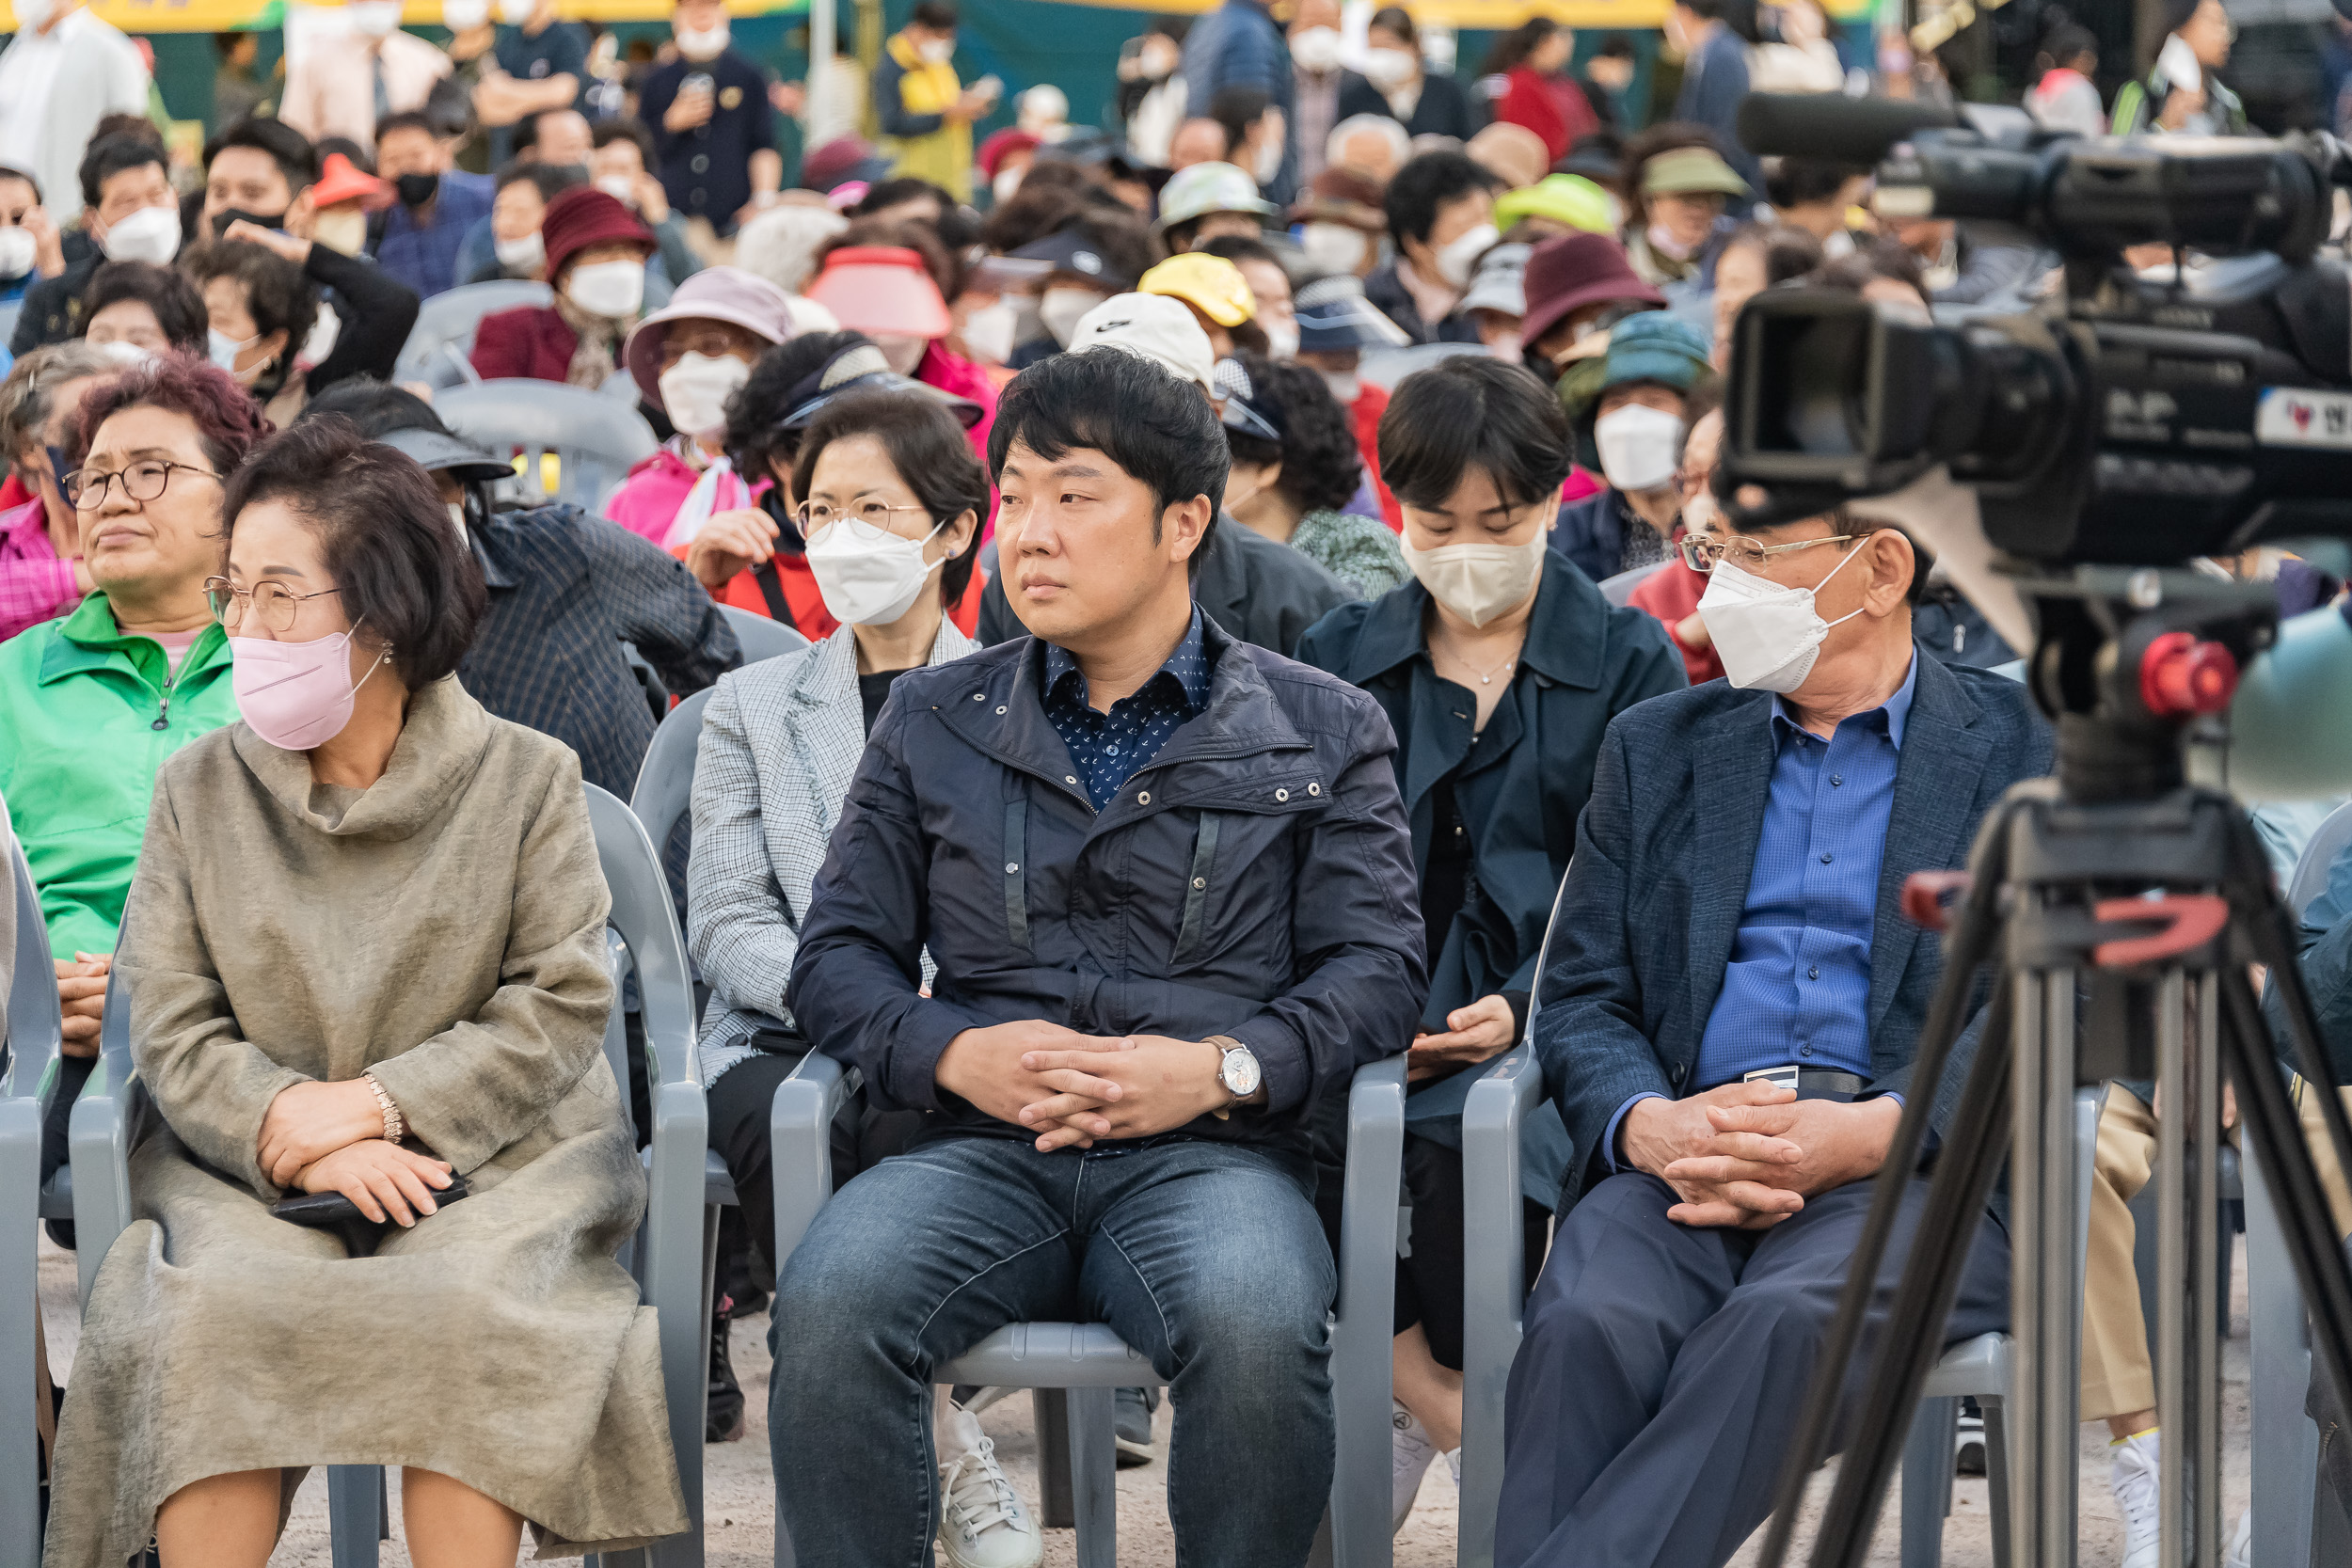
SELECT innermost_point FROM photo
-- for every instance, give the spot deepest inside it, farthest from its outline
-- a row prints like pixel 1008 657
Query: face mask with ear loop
pixel 1768 636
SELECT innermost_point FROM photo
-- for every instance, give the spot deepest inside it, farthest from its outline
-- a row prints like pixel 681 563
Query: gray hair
pixel 781 244
pixel 27 397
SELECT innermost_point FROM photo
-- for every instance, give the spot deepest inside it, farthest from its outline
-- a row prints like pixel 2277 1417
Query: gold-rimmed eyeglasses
pixel 1700 551
pixel 85 489
pixel 274 605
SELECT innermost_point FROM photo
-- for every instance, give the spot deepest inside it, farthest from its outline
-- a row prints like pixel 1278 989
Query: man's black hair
pixel 1617 46
pixel 1238 249
pixel 604 133
pixel 374 407
pixel 9 172
pixel 929 448
pixel 297 159
pixel 1157 429
pixel 1800 181
pixel 938 15
pixel 1237 109
pixel 411 119
pixel 889 193
pixel 1473 412
pixel 1427 183
pixel 553 180
pixel 111 155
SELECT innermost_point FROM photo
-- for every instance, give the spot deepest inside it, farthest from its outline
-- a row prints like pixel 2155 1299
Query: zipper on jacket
pixel 163 713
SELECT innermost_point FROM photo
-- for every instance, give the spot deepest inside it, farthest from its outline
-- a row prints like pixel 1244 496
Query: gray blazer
pixel 780 740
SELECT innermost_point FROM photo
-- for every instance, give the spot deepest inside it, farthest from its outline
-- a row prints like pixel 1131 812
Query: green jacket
pixel 87 717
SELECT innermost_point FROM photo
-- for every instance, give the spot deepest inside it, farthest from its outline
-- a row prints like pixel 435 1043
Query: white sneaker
pixel 983 1520
pixel 2135 1483
pixel 2241 1552
pixel 1407 1461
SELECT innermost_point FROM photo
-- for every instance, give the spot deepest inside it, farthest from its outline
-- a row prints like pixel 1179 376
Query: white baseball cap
pixel 1155 327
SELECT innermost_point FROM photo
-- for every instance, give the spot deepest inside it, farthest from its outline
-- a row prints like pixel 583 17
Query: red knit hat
pixel 585 217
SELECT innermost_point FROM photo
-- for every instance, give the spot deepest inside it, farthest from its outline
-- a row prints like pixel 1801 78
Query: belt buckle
pixel 1782 1077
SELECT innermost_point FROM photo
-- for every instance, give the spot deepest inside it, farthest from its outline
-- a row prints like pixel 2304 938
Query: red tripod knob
pixel 2180 676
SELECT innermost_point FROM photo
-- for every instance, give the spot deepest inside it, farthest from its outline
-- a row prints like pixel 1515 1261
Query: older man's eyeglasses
pixel 1700 551
pixel 271 606
pixel 85 489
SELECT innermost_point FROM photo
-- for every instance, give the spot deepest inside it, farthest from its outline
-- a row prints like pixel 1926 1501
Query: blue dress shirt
pixel 1797 987
pixel 425 256
pixel 1109 749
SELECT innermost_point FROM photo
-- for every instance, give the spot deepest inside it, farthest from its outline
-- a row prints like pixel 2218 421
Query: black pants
pixel 72 1074
pixel 1650 1406
pixel 1429 1283
pixel 739 1104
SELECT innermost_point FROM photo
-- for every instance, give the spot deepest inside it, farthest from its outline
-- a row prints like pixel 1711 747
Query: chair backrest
pixel 35 1023
pixel 2310 867
pixel 643 915
pixel 666 784
pixel 1619 590
pixel 438 345
pixel 595 439
pixel 762 637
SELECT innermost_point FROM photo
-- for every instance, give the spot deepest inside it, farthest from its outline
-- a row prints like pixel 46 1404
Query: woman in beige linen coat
pixel 366 948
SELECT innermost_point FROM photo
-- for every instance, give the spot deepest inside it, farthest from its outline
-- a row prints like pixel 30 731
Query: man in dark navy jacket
pixel 1168 885
pixel 1726 1023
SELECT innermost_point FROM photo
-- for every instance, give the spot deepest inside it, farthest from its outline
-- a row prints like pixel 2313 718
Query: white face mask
pixel 150 234
pixel 458 521
pixel 621 188
pixel 1459 255
pixel 1059 310
pixel 866 578
pixel 527 254
pixel 372 19
pixel 464 16
pixel 694 391
pixel 1334 247
pixel 35 13
pixel 1007 182
pixel 1281 340
pixel 701 43
pixel 901 352
pixel 988 331
pixel 1267 164
pixel 1317 49
pixel 18 251
pixel 1767 636
pixel 1637 446
pixel 611 289
pixel 937 51
pixel 515 12
pixel 1345 385
pixel 223 350
pixel 343 232
pixel 127 354
pixel 1388 67
pixel 1478 582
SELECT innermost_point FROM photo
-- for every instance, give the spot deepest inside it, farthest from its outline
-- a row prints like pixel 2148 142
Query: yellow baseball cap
pixel 1210 284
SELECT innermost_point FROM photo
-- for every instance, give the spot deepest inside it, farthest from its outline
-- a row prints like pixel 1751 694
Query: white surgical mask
pixel 901 352
pixel 1345 385
pixel 18 251
pixel 1059 310
pixel 515 12
pixel 127 354
pixel 1388 67
pixel 1662 241
pixel 343 231
pixel 1456 257
pixel 1005 183
pixel 621 188
pixel 372 19
pixel 1478 582
pixel 701 43
pixel 464 16
pixel 988 331
pixel 35 13
pixel 609 289
pixel 1267 164
pixel 223 350
pixel 1316 49
pixel 150 234
pixel 1334 247
pixel 458 521
pixel 694 391
pixel 1281 340
pixel 527 254
pixel 868 578
pixel 1637 446
pixel 937 51
pixel 1767 636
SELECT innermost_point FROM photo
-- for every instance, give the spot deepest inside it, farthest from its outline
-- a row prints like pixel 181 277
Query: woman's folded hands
pixel 383 1179
pixel 308 1121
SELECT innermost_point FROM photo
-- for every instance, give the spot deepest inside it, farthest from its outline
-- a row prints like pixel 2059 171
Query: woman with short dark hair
pixel 891 502
pixel 414 995
pixel 136 310
pixel 1295 468
pixel 263 295
pixel 1500 667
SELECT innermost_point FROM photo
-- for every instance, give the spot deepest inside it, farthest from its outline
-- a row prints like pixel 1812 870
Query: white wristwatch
pixel 1237 1073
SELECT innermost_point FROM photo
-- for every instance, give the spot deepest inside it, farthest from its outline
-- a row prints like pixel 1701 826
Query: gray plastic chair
pixel 762 637
pixel 35 1033
pixel 1619 590
pixel 8 314
pixel 438 346
pixel 669 1256
pixel 595 439
pixel 1091 1361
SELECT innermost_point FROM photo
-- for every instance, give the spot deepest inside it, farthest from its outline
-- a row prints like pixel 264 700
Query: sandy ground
pixel 740 1501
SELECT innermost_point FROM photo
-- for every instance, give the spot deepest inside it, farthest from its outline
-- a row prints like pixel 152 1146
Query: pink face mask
pixel 295 695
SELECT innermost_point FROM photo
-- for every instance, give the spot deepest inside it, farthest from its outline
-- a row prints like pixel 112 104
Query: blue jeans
pixel 1205 1256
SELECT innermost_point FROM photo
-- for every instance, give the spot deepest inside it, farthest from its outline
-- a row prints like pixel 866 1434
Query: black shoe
pixel 1968 1455
pixel 723 1414
pixel 1131 1425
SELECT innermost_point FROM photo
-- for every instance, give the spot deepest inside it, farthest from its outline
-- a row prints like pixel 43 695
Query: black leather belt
pixel 1811 1083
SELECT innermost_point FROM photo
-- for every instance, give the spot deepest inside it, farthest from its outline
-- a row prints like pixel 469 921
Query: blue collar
pixel 1894 712
pixel 1187 666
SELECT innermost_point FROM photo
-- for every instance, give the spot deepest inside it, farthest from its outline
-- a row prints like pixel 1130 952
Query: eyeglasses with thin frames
pixel 1700 551
pixel 274 605
pixel 85 489
pixel 816 516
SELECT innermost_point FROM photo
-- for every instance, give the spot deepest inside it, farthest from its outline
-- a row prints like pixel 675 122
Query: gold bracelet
pixel 395 1125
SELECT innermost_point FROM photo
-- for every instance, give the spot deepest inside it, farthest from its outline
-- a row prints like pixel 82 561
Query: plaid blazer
pixel 781 738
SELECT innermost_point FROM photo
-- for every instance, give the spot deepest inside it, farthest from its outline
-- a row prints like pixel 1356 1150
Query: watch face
pixel 1240 1073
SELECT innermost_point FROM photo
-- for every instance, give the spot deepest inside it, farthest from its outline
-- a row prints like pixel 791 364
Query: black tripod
pixel 2128 905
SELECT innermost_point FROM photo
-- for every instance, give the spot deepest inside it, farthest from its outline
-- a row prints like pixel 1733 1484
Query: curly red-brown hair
pixel 228 421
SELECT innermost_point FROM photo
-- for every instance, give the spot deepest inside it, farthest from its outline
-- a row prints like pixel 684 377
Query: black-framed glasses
pixel 1700 551
pixel 274 605
pixel 85 489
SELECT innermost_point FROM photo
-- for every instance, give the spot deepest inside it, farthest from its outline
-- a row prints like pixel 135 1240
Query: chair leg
pixel 355 1513
pixel 1056 1511
pixel 1927 1481
pixel 1996 1474
pixel 1093 1477
pixel 20 1323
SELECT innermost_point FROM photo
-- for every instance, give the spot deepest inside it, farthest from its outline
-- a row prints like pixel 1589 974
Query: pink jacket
pixel 651 495
pixel 952 373
pixel 34 585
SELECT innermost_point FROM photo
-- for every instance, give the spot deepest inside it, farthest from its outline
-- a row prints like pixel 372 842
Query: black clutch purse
pixel 336 1213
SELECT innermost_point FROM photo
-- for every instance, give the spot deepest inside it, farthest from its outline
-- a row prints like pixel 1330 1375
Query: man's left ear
pixel 1185 524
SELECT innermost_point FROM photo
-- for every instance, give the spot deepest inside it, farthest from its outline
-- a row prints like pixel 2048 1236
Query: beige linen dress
pixel 445 929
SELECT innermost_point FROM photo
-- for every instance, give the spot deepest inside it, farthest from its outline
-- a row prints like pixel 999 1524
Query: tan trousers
pixel 2116 1377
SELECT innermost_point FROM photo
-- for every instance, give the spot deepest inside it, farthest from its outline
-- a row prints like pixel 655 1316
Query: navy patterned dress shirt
pixel 1110 747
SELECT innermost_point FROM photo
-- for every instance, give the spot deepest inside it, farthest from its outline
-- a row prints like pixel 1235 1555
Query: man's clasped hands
pixel 1748 1155
pixel 1073 1088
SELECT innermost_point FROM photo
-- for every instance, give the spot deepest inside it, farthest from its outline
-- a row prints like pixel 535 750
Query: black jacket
pixel 1444 109
pixel 1254 880
pixel 51 312
pixel 1266 592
